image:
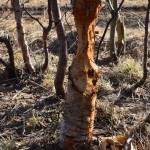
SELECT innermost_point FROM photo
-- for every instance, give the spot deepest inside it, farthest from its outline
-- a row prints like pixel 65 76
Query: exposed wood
pixel 79 108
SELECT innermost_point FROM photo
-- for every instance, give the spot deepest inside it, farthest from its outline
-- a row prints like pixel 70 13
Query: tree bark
pixel 113 52
pixel 62 64
pixel 79 108
pixel 21 37
pixel 45 34
pixel 11 66
pixel 121 36
pixel 145 54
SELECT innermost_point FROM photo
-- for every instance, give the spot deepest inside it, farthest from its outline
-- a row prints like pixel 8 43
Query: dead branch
pixel 32 17
pixel 134 130
pixel 4 63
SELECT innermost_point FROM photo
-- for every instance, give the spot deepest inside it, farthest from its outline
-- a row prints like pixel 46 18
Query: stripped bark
pixel 62 64
pixel 11 65
pixel 79 108
pixel 21 36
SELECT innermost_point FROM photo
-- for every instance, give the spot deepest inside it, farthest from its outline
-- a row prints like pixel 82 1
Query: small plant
pixel 108 115
pixel 7 144
pixel 131 67
pixel 35 120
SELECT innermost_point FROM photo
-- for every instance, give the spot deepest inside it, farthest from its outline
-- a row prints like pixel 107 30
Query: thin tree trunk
pixel 145 55
pixel 21 37
pixel 61 67
pixel 113 52
pixel 79 108
pixel 45 34
pixel 11 66
pixel 121 36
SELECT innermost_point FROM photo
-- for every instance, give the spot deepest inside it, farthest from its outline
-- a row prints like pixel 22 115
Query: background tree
pixel 62 64
pixel 145 54
pixel 21 37
pixel 117 26
pixel 79 109
pixel 11 66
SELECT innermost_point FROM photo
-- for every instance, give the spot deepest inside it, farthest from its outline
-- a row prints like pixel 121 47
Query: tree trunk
pixel 45 34
pixel 21 37
pixel 79 108
pixel 113 53
pixel 145 54
pixel 62 64
pixel 121 36
pixel 11 67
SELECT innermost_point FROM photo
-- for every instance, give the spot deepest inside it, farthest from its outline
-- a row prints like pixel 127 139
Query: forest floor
pixel 29 110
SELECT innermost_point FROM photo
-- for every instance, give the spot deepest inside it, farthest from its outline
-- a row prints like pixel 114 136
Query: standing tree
pixel 117 25
pixel 46 31
pixel 11 66
pixel 145 54
pixel 79 109
pixel 62 64
pixel 21 38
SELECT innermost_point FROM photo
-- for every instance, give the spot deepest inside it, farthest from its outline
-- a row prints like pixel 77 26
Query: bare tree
pixel 11 65
pixel 108 23
pixel 117 24
pixel 145 54
pixel 79 108
pixel 62 64
pixel 45 34
pixel 21 36
pixel 46 31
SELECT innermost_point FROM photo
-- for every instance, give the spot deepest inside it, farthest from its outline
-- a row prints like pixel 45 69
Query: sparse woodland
pixel 74 75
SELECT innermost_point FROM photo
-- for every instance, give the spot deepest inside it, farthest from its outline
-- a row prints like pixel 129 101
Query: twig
pixel 15 96
pixel 115 13
pixel 4 63
pixel 132 133
pixel 36 19
pixel 32 82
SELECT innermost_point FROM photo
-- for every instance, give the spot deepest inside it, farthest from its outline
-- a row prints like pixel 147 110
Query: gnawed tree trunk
pixel 21 37
pixel 79 108
pixel 61 67
pixel 11 67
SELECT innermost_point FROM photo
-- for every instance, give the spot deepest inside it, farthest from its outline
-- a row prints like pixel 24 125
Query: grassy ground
pixel 30 112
